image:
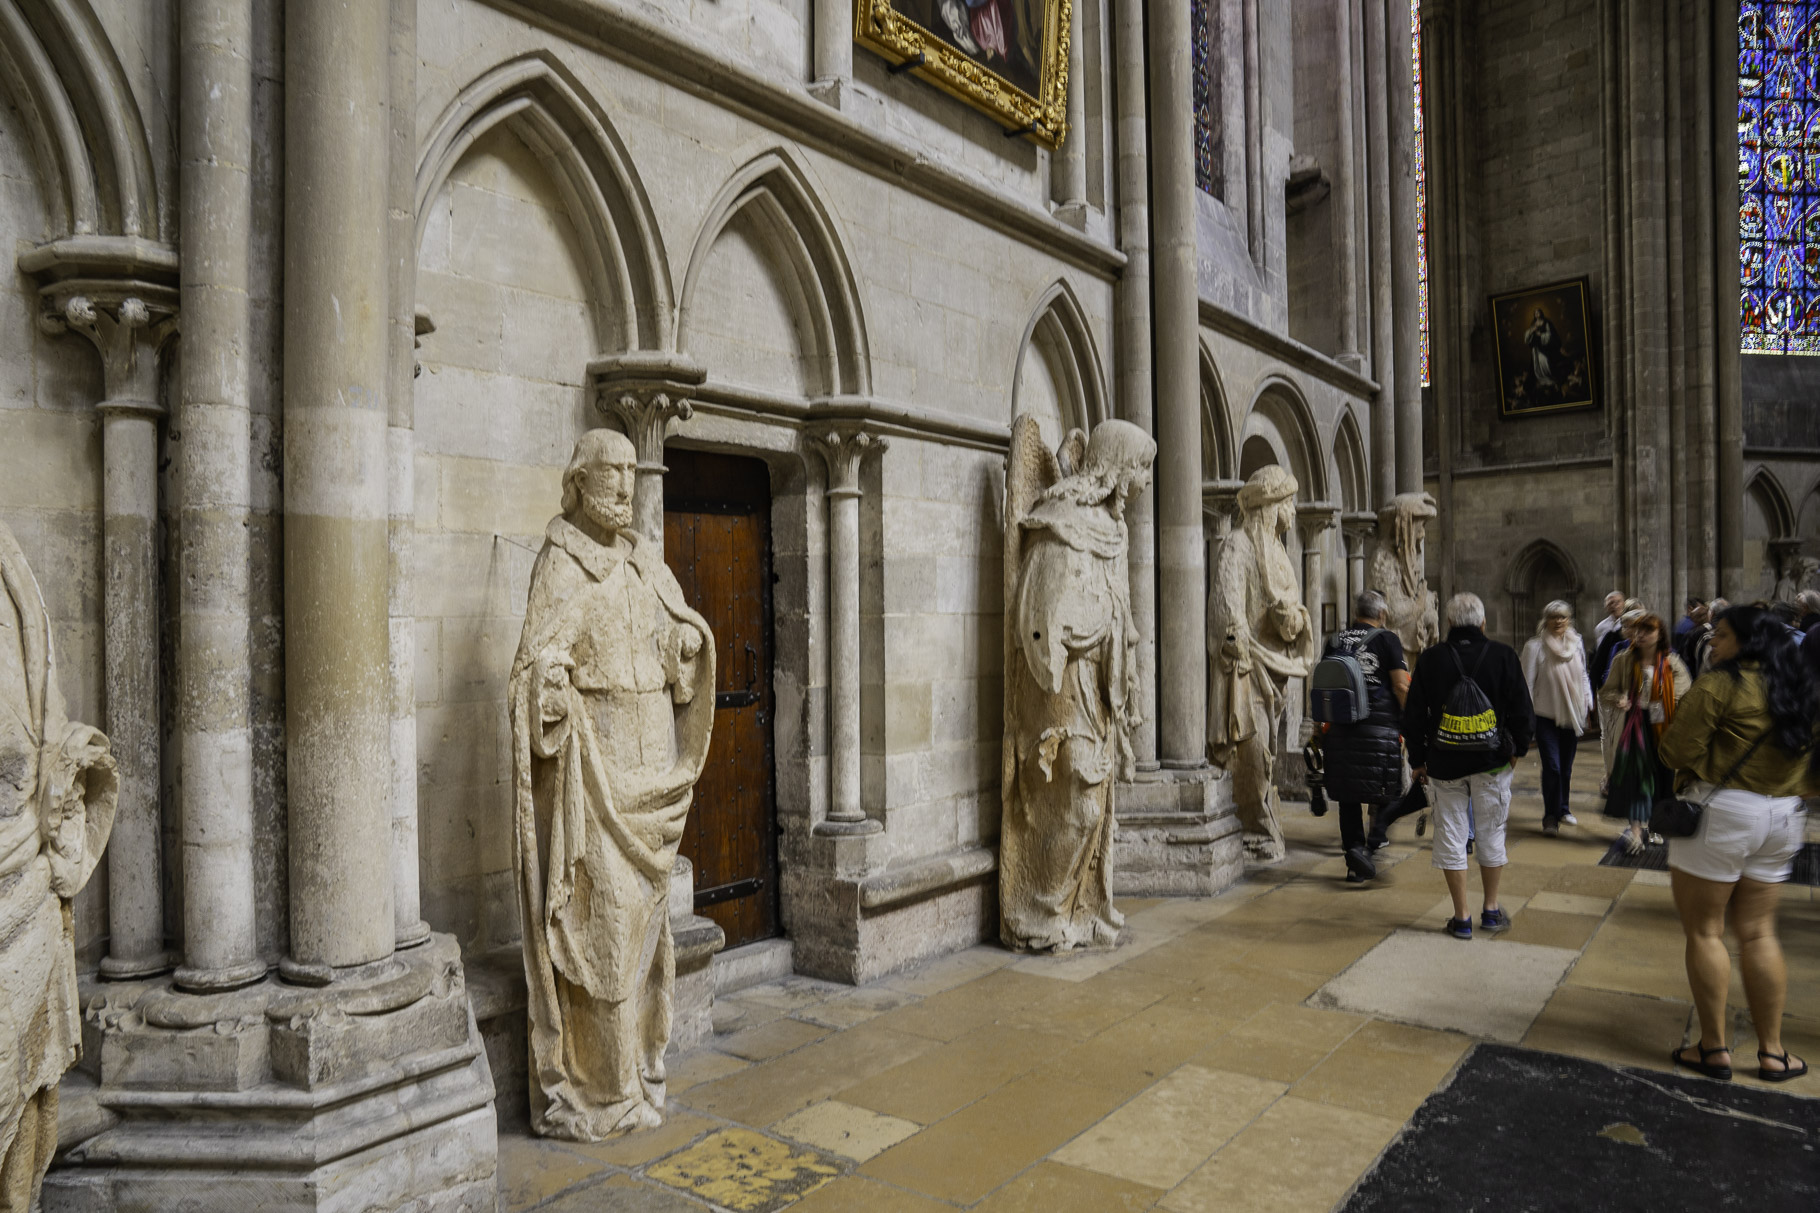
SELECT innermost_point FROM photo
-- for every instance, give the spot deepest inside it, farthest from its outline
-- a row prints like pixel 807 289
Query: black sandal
pixel 1722 1073
pixel 1785 1073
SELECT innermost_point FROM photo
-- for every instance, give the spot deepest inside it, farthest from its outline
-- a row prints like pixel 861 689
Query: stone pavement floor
pixel 1257 1050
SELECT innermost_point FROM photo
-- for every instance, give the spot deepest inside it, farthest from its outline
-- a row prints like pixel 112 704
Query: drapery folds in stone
pixel 56 808
pixel 612 705
pixel 1071 693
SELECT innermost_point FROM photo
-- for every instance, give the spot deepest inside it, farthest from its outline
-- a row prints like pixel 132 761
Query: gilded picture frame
pixel 1545 341
pixel 985 52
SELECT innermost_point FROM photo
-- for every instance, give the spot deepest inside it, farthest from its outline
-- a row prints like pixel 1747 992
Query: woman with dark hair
pixel 1741 746
pixel 1646 682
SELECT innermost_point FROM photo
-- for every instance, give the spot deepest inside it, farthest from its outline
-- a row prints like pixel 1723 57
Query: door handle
pixel 751 667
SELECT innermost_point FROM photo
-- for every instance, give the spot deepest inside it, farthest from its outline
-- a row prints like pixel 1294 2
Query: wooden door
pixel 717 540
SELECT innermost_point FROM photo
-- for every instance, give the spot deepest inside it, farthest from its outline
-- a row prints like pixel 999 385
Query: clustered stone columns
pixel 645 392
pixel 1383 295
pixel 336 541
pixel 1314 521
pixel 1358 528
pixel 214 723
pixel 844 449
pixel 127 322
pixel 1182 575
pixel 1407 337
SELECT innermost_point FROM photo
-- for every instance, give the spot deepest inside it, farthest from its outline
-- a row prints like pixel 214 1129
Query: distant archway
pixel 1540 573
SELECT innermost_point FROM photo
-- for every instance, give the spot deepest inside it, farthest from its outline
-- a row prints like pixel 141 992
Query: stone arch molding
pixel 1349 465
pixel 776 187
pixel 1279 413
pixel 87 133
pixel 544 105
pixel 1219 454
pixel 1773 500
pixel 1521 579
pixel 1058 328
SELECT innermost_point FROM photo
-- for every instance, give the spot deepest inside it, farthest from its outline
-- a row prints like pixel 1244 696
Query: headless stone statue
pixel 57 791
pixel 1259 636
pixel 1070 682
pixel 1397 571
pixel 612 702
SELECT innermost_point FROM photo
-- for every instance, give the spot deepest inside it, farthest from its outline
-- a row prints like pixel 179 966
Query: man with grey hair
pixel 1467 716
pixel 1363 762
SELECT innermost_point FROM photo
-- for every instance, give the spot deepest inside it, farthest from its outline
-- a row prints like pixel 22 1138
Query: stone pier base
pixel 1178 835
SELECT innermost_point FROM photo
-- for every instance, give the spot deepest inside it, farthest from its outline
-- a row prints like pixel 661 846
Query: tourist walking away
pixel 1742 748
pixel 1609 719
pixel 1467 717
pixel 1608 623
pixel 1361 748
pixel 1554 668
pixel 1641 693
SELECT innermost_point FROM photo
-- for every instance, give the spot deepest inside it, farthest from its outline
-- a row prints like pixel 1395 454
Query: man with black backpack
pixel 1467 717
pixel 1357 693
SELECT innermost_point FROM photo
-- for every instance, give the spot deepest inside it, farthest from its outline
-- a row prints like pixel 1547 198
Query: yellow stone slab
pixel 944 1080
pixel 1384 1069
pixel 1281 1042
pixel 1172 1127
pixel 743 1170
pixel 1297 1157
pixel 1050 1187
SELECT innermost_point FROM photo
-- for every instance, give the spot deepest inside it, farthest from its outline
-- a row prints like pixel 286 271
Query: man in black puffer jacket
pixel 1364 761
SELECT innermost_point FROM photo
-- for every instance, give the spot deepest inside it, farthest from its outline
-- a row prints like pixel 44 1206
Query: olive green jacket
pixel 1715 725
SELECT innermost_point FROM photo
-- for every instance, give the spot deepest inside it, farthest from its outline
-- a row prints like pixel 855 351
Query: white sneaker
pixel 1568 819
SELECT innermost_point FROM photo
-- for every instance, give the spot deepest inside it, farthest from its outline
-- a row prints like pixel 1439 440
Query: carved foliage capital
pixel 126 331
pixel 1315 520
pixel 646 416
pixel 845 449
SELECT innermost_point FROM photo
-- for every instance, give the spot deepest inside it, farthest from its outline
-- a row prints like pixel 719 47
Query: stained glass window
pixel 1206 121
pixel 1415 53
pixel 1779 175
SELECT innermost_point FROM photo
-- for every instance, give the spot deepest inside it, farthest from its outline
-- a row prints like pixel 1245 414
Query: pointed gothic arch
pixel 1057 332
pixel 1280 417
pixel 775 188
pixel 1773 500
pixel 1350 471
pixel 1219 456
pixel 544 105
pixel 88 136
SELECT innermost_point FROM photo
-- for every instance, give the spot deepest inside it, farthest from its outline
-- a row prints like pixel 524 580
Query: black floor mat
pixel 1518 1131
pixel 1654 858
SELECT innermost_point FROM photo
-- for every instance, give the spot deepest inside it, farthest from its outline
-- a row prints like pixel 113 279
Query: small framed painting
pixel 1543 337
pixel 1006 57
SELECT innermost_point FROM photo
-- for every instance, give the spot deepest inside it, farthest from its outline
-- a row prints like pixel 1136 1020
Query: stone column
pixel 844 449
pixel 1219 509
pixel 336 536
pixel 1314 521
pixel 127 329
pixel 1132 364
pixel 1346 192
pixel 645 392
pixel 214 726
pixel 1399 79
pixel 1727 361
pixel 833 49
pixel 401 476
pixel 1358 528
pixel 1182 572
pixel 1384 316
pixel 1068 168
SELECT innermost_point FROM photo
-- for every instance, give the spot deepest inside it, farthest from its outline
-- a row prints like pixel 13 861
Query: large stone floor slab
pixel 1489 988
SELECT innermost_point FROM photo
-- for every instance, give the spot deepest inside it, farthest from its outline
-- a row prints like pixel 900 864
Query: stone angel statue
pixel 58 785
pixel 612 705
pixel 1070 681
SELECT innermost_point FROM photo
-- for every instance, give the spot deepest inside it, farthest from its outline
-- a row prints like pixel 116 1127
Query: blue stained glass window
pixel 1206 121
pixel 1779 175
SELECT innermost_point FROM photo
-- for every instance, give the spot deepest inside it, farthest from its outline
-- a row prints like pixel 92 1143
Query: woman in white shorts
pixel 1741 742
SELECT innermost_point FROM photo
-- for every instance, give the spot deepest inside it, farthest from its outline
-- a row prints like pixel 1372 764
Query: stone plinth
pixel 369 1093
pixel 1178 835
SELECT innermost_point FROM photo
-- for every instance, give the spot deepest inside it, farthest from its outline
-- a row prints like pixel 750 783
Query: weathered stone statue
pixel 612 701
pixel 1070 682
pixel 1398 572
pixel 1259 636
pixel 57 791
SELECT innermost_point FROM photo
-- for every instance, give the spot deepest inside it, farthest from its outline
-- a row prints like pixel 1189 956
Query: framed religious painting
pixel 1544 342
pixel 1006 57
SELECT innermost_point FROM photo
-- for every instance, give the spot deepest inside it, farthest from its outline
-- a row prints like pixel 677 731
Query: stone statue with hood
pixel 612 703
pixel 1259 637
pixel 1398 572
pixel 58 785
pixel 1071 689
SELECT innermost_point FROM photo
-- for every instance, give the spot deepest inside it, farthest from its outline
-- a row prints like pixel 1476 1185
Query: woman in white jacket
pixel 1554 665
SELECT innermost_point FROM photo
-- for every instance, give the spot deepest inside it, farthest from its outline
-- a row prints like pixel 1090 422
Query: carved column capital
pixel 1359 526
pixel 126 330
pixel 1316 519
pixel 1220 504
pixel 646 415
pixel 845 448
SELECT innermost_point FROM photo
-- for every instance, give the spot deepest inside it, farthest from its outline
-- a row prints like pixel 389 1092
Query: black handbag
pixel 1674 817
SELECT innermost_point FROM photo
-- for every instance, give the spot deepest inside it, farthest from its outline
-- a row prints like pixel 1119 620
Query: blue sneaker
pixel 1460 928
pixel 1494 921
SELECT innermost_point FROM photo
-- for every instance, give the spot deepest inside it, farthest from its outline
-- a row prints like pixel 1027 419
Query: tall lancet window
pixel 1779 175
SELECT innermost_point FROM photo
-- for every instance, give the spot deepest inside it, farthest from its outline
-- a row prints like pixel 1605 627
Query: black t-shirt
pixel 1379 651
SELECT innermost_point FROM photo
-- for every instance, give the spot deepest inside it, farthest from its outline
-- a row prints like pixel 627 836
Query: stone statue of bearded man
pixel 612 701
pixel 1397 571
pixel 1259 636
